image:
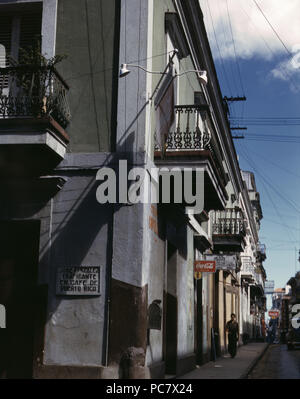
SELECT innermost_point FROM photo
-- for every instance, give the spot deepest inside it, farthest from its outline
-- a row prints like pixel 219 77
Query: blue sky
pixel 270 79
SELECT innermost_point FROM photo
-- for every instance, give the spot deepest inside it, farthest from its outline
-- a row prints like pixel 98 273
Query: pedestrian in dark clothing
pixel 232 328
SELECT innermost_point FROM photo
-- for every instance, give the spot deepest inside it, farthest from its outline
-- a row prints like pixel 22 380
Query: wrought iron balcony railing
pixel 36 92
pixel 191 132
pixel 230 221
pixel 261 248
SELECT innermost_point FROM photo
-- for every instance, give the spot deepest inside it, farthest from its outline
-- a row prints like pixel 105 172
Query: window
pixel 19 29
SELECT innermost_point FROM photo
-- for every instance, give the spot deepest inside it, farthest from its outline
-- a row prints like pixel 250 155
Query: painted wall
pixel 74 231
pixel 156 285
pixel 185 284
pixel 221 312
pixel 75 331
pixel 187 84
pixel 87 33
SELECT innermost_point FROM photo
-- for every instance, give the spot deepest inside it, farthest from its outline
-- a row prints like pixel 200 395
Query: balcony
pixel 193 143
pixel 34 113
pixel 261 252
pixel 259 279
pixel 229 230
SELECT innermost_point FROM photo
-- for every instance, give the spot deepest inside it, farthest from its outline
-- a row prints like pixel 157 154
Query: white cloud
pixel 252 34
pixel 289 70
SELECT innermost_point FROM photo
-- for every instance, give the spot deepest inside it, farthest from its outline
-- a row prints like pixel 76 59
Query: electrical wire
pixel 257 121
pixel 235 53
pixel 273 29
pixel 222 23
pixel 250 162
pixel 262 157
pixel 286 199
pixel 256 28
pixel 219 51
pixel 273 138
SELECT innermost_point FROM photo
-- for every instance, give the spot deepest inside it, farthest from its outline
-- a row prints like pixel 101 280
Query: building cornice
pixel 192 20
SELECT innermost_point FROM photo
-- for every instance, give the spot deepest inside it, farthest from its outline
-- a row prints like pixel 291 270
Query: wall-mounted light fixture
pixel 124 71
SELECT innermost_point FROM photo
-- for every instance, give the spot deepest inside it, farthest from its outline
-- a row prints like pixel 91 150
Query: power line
pixel 270 197
pixel 235 54
pixel 292 204
pixel 269 48
pixel 279 38
pixel 268 117
pixel 230 64
pixel 265 122
pixel 273 203
pixel 262 157
pixel 274 138
pixel 285 198
pixel 218 47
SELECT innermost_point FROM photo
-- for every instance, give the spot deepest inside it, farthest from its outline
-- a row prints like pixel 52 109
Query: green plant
pixel 34 69
pixel 36 78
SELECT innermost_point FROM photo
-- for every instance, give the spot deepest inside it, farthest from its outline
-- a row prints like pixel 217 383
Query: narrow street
pixel 278 363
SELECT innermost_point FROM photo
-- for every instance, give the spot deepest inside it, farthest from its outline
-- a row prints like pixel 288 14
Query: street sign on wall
pixel 223 262
pixel 78 280
pixel 269 286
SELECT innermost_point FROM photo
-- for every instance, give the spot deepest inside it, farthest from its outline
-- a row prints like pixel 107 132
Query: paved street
pixel 227 368
pixel 278 363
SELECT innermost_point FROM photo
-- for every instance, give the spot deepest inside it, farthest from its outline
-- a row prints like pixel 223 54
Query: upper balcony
pixel 34 113
pixel 259 279
pixel 229 230
pixel 192 143
pixel 261 252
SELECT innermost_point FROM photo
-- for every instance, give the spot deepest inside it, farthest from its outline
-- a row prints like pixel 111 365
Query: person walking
pixel 232 329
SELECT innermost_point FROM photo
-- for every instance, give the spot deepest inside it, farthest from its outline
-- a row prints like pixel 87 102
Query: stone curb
pixel 253 364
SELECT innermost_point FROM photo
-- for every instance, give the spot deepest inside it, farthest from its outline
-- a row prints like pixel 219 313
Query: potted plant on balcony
pixel 35 80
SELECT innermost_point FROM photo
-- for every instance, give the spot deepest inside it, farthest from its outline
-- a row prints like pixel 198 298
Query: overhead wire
pixel 262 157
pixel 274 138
pixel 236 59
pixel 283 71
pixel 219 51
pixel 273 29
pixel 235 52
pixel 225 39
pixel 285 198
pixel 250 162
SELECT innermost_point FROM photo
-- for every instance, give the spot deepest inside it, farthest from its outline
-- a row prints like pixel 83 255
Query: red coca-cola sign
pixel 205 266
pixel 274 313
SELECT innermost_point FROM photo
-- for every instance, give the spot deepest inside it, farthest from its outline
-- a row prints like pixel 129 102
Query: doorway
pixel 19 250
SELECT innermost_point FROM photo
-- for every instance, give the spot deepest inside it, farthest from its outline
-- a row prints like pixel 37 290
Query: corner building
pixel 148 317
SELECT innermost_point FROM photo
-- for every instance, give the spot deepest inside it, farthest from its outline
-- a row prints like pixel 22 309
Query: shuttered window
pixel 17 31
pixel 30 30
pixel 5 38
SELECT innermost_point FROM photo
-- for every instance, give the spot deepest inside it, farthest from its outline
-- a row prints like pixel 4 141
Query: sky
pixel 256 47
